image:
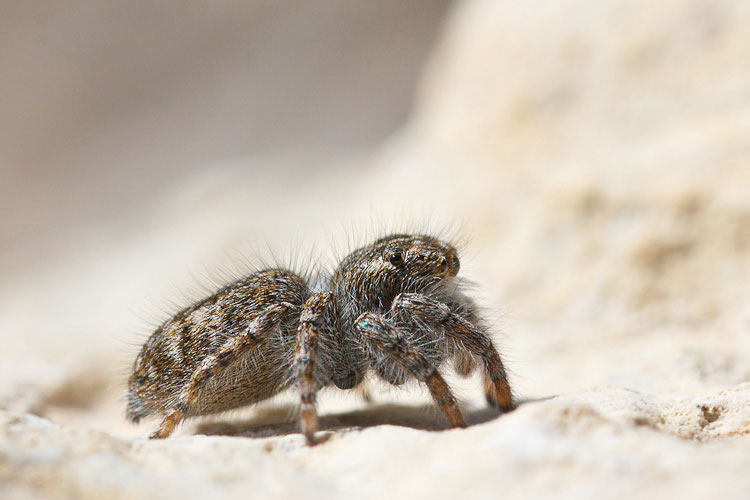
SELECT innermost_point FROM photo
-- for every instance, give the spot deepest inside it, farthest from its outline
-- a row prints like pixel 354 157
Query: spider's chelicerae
pixel 394 306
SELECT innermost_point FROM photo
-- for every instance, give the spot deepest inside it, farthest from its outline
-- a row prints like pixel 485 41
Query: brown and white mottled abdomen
pixel 174 352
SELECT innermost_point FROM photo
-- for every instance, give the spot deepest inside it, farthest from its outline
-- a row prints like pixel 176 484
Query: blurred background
pixel 594 156
pixel 105 103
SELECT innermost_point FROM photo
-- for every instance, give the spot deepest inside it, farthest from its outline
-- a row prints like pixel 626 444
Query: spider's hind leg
pixel 168 424
pixel 257 332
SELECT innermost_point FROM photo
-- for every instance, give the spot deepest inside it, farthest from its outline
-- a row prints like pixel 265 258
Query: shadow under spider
pixel 276 421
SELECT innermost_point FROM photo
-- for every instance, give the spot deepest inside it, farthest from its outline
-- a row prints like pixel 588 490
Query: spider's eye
pixel 396 258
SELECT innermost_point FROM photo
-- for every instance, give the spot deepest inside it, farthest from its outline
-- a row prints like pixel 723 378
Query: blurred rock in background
pixel 105 103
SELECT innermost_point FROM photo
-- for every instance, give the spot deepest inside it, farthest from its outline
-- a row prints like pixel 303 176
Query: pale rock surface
pixel 596 155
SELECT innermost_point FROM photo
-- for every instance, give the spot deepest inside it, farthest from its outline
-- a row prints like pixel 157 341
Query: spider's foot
pixel 498 395
pixel 309 422
pixel 167 425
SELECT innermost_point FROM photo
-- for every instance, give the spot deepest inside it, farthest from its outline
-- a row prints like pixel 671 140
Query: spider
pixel 394 307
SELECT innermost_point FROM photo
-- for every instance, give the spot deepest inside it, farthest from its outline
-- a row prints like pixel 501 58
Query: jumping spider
pixel 394 306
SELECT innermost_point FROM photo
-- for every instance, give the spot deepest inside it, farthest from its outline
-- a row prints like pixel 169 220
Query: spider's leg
pixel 364 392
pixel 256 332
pixel 464 363
pixel 168 424
pixel 474 339
pixel 312 323
pixel 376 332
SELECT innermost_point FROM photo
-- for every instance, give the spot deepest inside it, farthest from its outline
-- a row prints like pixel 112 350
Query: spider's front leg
pixel 312 325
pixel 256 332
pixel 378 333
pixel 438 315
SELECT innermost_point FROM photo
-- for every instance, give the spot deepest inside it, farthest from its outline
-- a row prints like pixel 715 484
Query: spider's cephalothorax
pixel 372 276
pixel 394 306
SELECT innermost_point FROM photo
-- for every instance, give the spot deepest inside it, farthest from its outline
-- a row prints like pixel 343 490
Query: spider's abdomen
pixel 177 348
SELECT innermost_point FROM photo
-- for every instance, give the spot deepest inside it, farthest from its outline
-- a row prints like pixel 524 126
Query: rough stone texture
pixel 596 157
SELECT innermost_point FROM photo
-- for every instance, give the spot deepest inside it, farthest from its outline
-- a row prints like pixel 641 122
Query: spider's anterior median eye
pixel 396 258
